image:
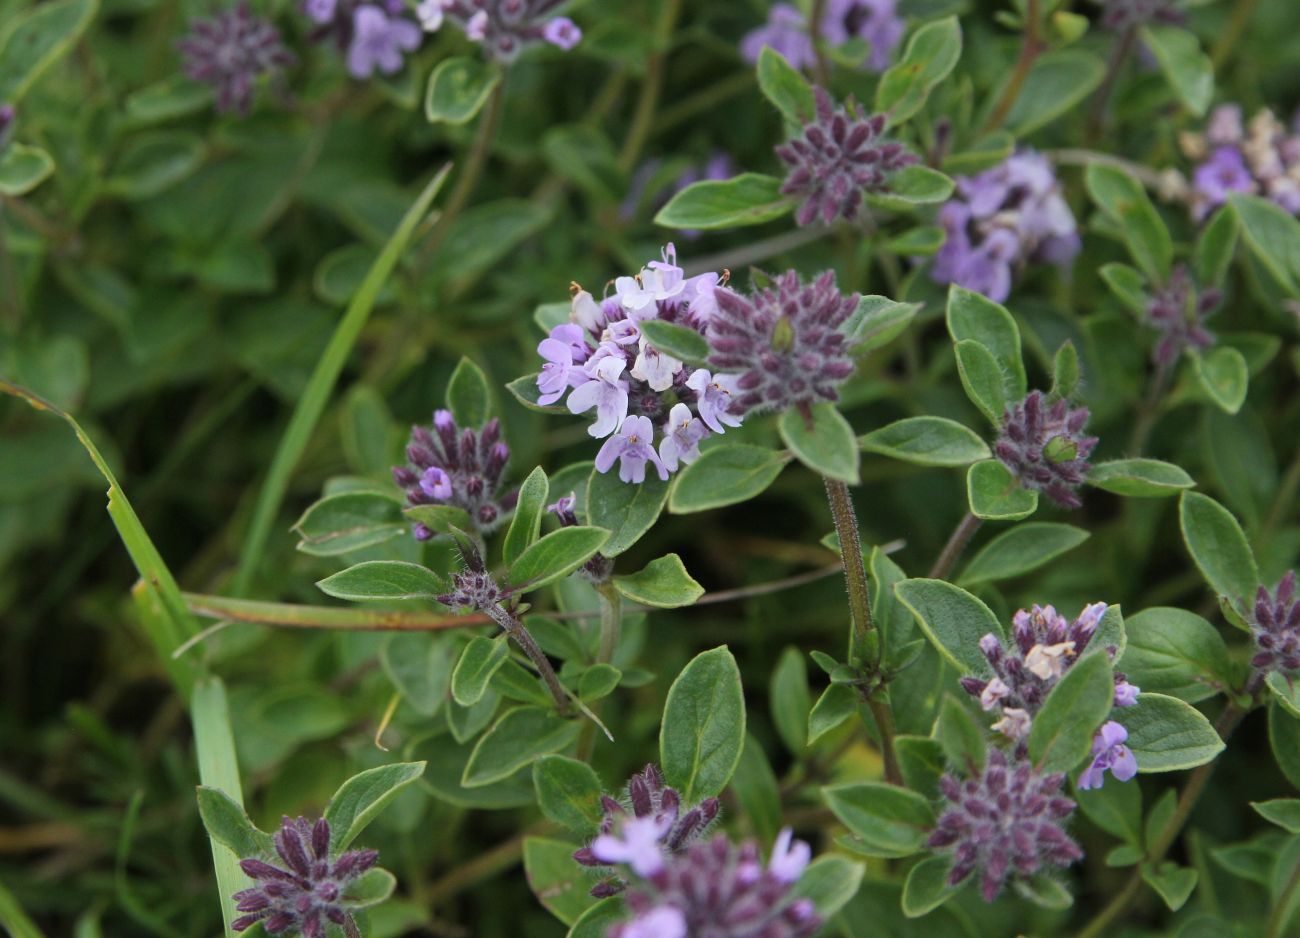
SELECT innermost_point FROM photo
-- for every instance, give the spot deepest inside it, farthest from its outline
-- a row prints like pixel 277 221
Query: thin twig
pixel 1031 46
pixel 1097 116
pixel 648 103
pixel 822 66
pixel 957 542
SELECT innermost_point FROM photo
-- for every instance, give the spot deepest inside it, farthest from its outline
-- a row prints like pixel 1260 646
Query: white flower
pixel 1014 723
pixel 1048 661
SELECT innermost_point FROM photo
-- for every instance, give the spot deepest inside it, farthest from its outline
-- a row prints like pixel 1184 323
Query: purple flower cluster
pixel 462 468
pixel 1178 314
pixel 838 156
pixel 657 825
pixel 308 893
pixel 786 342
pixel 601 360
pixel 1001 219
pixel 375 36
pixel 1276 627
pixel 875 22
pixel 504 27
pixel 717 889
pixel 1262 159
pixel 230 51
pixel 1009 821
pixel 1123 15
pixel 1043 446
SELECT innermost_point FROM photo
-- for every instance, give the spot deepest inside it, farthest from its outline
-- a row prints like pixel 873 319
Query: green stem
pixel 1284 501
pixel 815 18
pixel 957 542
pixel 13 919
pixel 1031 46
pixel 855 571
pixel 707 97
pixel 884 717
pixel 611 621
pixel 1098 114
pixel 648 103
pixel 1277 920
pixel 1148 411
pixel 515 629
pixel 1237 25
pixel 214 745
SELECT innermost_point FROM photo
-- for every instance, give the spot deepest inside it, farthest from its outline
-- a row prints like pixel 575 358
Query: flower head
pixel 378 41
pixel 308 892
pixel 720 889
pixel 1044 447
pixel 1275 623
pixel 1260 158
pixel 1007 821
pixel 786 342
pixel 505 28
pixel 230 51
pixel 1002 219
pixel 1178 314
pixel 632 447
pixel 874 21
pixel 463 468
pixel 1109 752
pixel 838 156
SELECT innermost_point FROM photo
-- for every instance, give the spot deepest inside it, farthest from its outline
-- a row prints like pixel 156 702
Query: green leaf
pixel 930 55
pixel 921 241
pixel 985 153
pixel 360 799
pixel 1224 376
pixel 1273 236
pixel 1188 71
pixel 555 556
pixel 830 882
pixel 23 168
pixel 996 495
pixel 1285 692
pixel 703 728
pixel 481 659
pixel 675 340
pixel 526 392
pixel 825 444
pixel 1043 891
pixel 1057 83
pixel 1021 549
pixel 1175 652
pixel 469 397
pixel 214 747
pixel 747 199
pixel 982 379
pixel 228 823
pixel 419 667
pixel 166 100
pixel 926 441
pixel 837 703
pixel 1219 548
pixel 527 522
pixel 381 580
pixel 1062 731
pixel 560 884
pixel 1140 478
pixel 37 39
pixel 887 821
pixel 599 919
pixel 757 792
pixel 1174 883
pixel 568 792
pixel 973 316
pixel 372 887
pixel 1125 203
pixel 349 521
pixel 626 511
pixel 441 519
pixel 952 619
pixel 1167 734
pixel 1284 738
pixel 912 186
pixel 522 736
pixel 725 475
pixel 960 736
pixel 785 87
pixel 920 760
pixel 1129 286
pixel 877 321
pixel 584 155
pixel 663 583
pixel 926 887
pixel 1065 370
pixel 1215 248
pixel 790 700
pixel 458 89
pixel 1284 812
pixel 151 163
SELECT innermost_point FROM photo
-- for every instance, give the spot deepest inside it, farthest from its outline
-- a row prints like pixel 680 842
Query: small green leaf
pixel 37 39
pixel 1021 549
pixel 790 700
pixel 1058 81
pixel 381 580
pixel 1272 235
pixel 1065 371
pixel 973 316
pixel 926 887
pixel 349 521
pixel 469 397
pixel 526 392
pixel 952 619
pixel 888 821
pixel 926 441
pixel 785 87
pixel 481 659
pixel 910 187
pixel 1062 731
pixel 747 199
pixel 598 681
pixel 1175 652
pixel 1219 548
pixel 440 519
pixel 419 666
pixel 674 340
pixel 830 882
pixel 228 823
pixel 599 919
pixel 877 321
pixel 1174 883
pixel 837 704
pixel 1140 478
pixel 1167 734
pixel 359 800
pixel 560 884
pixel 1224 376
pixel 996 495
pixel 930 55
pixel 825 443
pixel 1129 286
pixel 527 522
pixel 703 728
pixel 982 379
pixel 1284 739
pixel 757 792
pixel 724 475
pixel 372 887
pixel 568 792
pixel 23 168
pixel 626 511
pixel 1116 809
pixel 556 555
pixel 522 736
pixel 961 737
pixel 1188 71
pixel 1125 203
pixel 1215 248
pixel 663 583
pixel 1284 812
pixel 458 89
pixel 921 241
pixel 985 153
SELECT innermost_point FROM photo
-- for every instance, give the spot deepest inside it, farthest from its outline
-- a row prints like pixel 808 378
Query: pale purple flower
pixel 786 31
pixel 607 392
pixel 1006 822
pixel 682 435
pixel 663 921
pixel 632 447
pixel 506 28
pixel 230 52
pixel 1109 752
pixel 1261 158
pixel 714 397
pixel 321 11
pixel 379 40
pixel 637 844
pixel 654 367
pixel 1126 694
pixel 562 32
pixel 789 857
pixel 1275 624
pixel 430 13
pixel 1224 173
pixel 563 351
pixel 658 282
pixel 1043 446
pixel 436 484
pixel 1178 314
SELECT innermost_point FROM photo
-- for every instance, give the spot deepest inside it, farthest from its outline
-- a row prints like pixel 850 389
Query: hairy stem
pixel 508 621
pixel 855 572
pixel 648 103
pixel 885 723
pixel 611 621
pixel 1031 46
pixel 1097 116
pixel 957 542
pixel 1148 411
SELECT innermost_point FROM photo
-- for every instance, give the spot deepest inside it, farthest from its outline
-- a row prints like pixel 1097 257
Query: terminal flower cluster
pixel 1260 158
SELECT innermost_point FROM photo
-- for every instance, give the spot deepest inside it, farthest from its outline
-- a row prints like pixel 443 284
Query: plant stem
pixel 648 103
pixel 1031 46
pixel 957 542
pixel 611 621
pixel 885 723
pixel 758 250
pixel 508 621
pixel 1073 156
pixel 1284 501
pixel 1148 411
pixel 1236 26
pixel 855 572
pixel 1227 722
pixel 1277 920
pixel 1098 114
pixel 815 18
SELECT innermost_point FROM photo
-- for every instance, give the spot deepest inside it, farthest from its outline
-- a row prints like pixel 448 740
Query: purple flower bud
pixel 1275 624
pixel 505 28
pixel 1041 444
pixel 1178 314
pixel 231 51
